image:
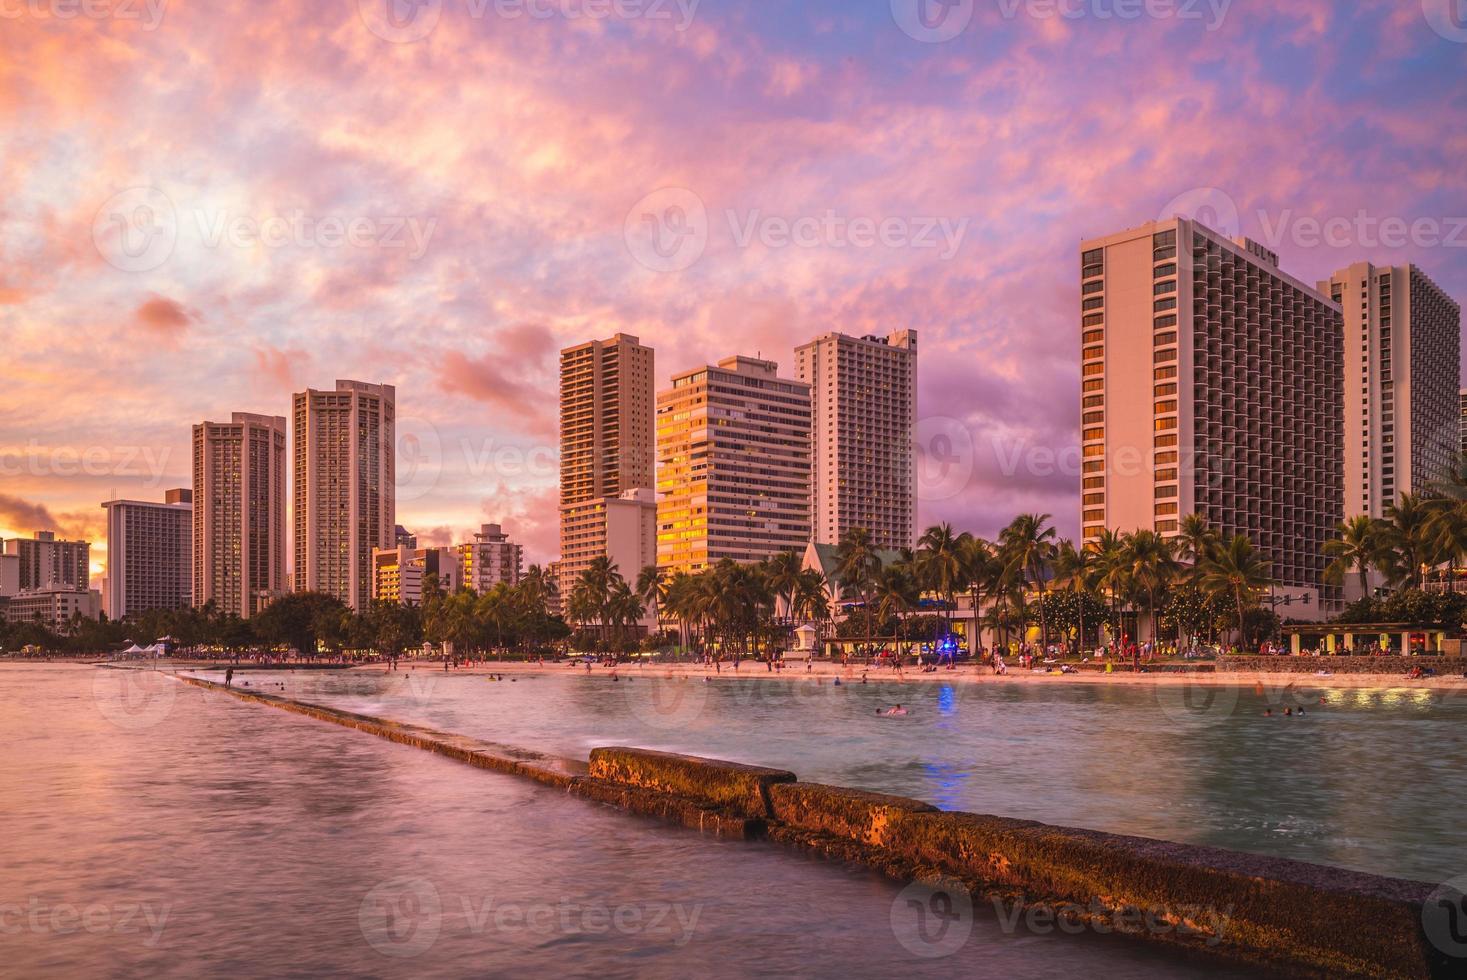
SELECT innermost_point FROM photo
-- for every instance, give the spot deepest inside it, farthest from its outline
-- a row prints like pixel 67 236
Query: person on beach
pixel 229 677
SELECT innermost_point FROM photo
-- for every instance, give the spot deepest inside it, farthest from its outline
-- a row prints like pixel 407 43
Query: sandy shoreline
pixel 822 672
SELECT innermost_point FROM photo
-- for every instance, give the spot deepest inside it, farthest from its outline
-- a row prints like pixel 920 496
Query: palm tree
pixel 938 565
pixel 1406 536
pixel 1358 548
pixel 652 589
pixel 810 602
pixel 1113 573
pixel 1030 543
pixel 979 569
pixel 1153 567
pixel 857 564
pixel 1239 572
pixel 895 593
pixel 1195 540
pixel 783 572
pixel 1076 568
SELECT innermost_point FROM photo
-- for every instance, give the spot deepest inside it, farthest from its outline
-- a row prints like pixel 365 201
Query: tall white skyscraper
pixel 345 506
pixel 1402 346
pixel 863 397
pixel 149 554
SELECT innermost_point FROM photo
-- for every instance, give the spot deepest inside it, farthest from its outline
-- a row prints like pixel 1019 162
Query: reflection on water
pixel 1367 779
pixel 150 828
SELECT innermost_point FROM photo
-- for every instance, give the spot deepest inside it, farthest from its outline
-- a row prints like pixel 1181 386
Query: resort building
pixel 149 554
pixel 238 548
pixel 863 400
pixel 9 574
pixel 344 497
pixel 1212 385
pixel 52 607
pixel 622 528
pixel 607 444
pixel 401 574
pixel 1403 424
pixel 490 559
pixel 43 562
pixel 1463 433
pixel 733 448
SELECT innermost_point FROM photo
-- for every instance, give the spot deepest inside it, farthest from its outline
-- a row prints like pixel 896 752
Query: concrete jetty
pixel 1307 919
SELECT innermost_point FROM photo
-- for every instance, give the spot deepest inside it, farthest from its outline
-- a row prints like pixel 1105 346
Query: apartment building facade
pixel 863 393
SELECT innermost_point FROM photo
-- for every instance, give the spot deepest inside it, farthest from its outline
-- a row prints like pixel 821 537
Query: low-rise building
pixel 53 608
pixel 490 559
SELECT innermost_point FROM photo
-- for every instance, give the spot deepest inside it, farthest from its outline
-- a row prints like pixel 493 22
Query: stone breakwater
pixel 1305 918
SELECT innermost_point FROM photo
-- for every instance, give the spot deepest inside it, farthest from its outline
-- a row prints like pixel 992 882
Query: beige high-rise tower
pixel 606 443
pixel 239 513
pixel 733 448
pixel 1403 344
pixel 863 394
pixel 1211 385
pixel 345 504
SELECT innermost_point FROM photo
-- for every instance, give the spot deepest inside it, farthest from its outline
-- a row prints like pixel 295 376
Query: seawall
pixel 1305 918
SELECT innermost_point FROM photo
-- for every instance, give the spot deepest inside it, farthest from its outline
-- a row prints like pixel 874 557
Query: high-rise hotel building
pixel 345 504
pixel 239 513
pixel 1212 386
pixel 149 554
pixel 1403 347
pixel 863 397
pixel 733 448
pixel 607 447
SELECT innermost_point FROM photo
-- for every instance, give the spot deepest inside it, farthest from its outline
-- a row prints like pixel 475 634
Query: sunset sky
pixel 333 196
